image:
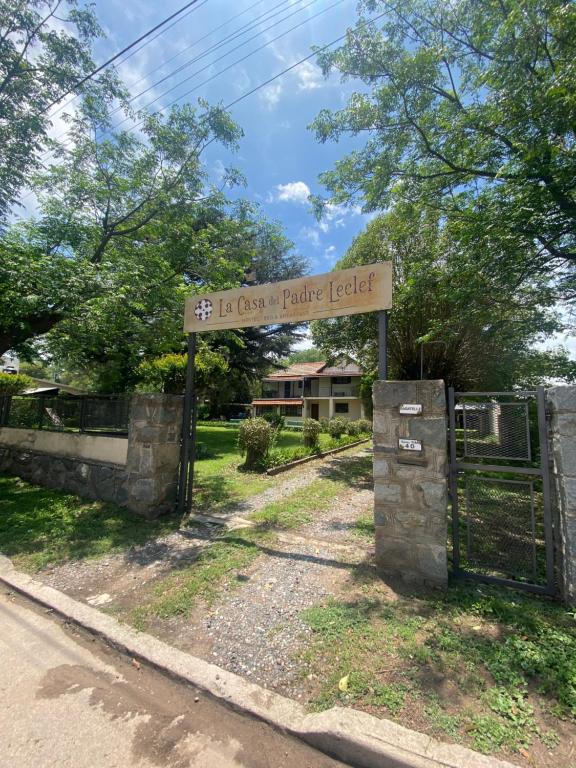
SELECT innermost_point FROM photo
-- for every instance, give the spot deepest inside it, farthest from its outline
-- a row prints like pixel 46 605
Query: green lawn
pixel 484 666
pixel 40 527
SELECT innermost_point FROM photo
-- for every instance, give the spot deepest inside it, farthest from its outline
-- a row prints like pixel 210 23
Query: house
pixel 312 390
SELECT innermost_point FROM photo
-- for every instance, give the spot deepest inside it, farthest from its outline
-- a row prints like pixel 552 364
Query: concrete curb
pixel 345 734
pixel 321 455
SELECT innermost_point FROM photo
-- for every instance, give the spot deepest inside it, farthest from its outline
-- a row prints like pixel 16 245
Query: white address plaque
pixel 408 444
pixel 411 409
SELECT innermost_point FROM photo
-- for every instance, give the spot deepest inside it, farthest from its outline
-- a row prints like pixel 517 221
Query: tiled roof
pixel 299 370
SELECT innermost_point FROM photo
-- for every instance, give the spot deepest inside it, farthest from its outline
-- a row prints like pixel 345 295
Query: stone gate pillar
pixel 410 480
pixel 153 454
pixel 561 402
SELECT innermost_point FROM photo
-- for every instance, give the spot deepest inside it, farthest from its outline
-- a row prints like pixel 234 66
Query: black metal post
pixel 453 479
pixel 186 480
pixel 546 491
pixel 383 344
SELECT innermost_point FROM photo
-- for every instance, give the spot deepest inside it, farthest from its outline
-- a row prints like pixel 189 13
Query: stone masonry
pixel 410 488
pixel 153 453
pixel 147 484
pixel 561 402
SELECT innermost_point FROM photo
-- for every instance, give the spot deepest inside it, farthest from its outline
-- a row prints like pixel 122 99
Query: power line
pixel 210 49
pixel 121 53
pixel 229 67
pixel 274 77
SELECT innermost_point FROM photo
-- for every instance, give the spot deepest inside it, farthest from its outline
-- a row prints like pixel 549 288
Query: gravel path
pixel 255 629
pixel 116 577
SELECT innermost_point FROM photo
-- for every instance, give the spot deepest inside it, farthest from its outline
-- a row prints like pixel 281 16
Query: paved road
pixel 70 702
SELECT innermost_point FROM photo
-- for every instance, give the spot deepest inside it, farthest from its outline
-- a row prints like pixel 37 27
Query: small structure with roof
pixel 312 390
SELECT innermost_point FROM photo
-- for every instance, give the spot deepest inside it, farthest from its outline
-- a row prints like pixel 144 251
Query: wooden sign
pixel 343 292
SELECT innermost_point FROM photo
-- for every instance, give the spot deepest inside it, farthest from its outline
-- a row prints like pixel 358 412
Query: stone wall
pixel 144 476
pixel 410 488
pixel 153 453
pixel 561 403
pixel 90 479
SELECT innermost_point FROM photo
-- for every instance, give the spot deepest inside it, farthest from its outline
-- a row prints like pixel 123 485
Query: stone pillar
pixel 562 404
pixel 331 408
pixel 153 454
pixel 410 488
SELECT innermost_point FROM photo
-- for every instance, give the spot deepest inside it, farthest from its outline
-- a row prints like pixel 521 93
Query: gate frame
pixel 543 471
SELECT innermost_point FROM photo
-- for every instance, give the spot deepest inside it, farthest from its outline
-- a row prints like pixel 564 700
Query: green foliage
pixel 41 527
pixel 478 325
pixel 41 60
pixel 275 420
pixel 505 659
pixel 167 374
pixel 337 427
pixel 311 432
pixel 311 355
pixel 466 108
pixel 353 428
pixel 255 440
pixel 364 426
pixel 13 384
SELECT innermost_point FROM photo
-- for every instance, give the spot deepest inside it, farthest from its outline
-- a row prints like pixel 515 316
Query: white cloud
pixel 329 252
pixel 293 192
pixel 309 77
pixel 311 235
pixel 270 95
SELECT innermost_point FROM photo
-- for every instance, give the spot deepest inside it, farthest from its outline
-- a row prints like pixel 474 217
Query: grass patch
pixel 215 567
pixel 300 506
pixel 41 527
pixel 364 527
pixel 484 666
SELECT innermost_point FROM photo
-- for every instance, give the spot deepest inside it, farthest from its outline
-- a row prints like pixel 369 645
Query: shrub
pixel 353 428
pixel 324 424
pixel 275 420
pixel 336 427
pixel 254 439
pixel 365 426
pixel 13 384
pixel 311 429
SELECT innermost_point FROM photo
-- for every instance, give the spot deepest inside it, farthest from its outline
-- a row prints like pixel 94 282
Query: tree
pixel 44 52
pixel 469 108
pixel 123 212
pixel 478 330
pixel 310 355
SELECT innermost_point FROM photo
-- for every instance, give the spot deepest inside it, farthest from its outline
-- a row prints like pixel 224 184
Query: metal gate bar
pixel 458 469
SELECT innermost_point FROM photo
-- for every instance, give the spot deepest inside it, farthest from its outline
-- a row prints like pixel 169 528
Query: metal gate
pixel 500 489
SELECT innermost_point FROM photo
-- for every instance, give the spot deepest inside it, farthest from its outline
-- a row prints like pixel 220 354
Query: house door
pixel 314 410
pixel 286 389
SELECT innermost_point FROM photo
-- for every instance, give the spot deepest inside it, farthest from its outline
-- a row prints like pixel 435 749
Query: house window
pixel 291 410
pixel 286 389
pixel 299 385
pixel 341 408
pixel 341 379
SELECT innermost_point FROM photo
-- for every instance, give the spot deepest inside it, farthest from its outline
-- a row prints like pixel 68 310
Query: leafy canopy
pixel 467 107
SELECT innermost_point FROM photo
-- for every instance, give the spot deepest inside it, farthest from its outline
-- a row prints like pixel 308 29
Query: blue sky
pixel 278 155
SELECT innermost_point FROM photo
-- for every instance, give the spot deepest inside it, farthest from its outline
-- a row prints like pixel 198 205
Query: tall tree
pixel 45 50
pixel 468 107
pixel 474 329
pixel 110 207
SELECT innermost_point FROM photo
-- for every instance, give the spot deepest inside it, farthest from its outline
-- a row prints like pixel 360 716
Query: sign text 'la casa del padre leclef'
pixel 344 292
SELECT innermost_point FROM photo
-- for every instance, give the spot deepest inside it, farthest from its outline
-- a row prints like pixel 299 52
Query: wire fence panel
pixel 102 414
